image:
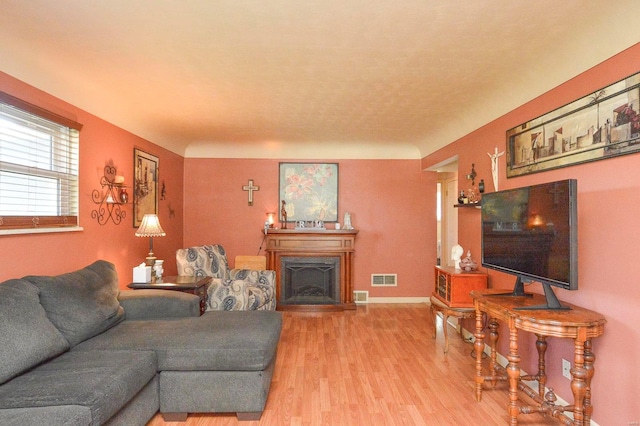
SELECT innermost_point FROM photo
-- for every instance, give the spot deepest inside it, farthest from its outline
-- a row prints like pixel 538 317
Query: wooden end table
pixel 183 283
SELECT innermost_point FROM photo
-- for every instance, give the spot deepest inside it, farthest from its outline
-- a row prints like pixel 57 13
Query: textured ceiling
pixel 306 79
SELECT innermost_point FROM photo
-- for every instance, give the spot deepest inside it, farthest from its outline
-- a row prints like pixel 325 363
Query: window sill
pixel 40 230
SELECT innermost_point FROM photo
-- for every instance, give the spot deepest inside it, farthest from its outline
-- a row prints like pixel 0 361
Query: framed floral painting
pixel 309 191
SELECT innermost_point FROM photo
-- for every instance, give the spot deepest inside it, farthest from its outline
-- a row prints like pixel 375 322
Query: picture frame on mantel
pixel 310 191
pixel 145 185
pixel 601 125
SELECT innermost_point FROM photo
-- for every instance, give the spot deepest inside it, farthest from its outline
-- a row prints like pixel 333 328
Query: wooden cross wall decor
pixel 250 188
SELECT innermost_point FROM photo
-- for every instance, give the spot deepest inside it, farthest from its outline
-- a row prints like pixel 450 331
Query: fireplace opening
pixel 310 281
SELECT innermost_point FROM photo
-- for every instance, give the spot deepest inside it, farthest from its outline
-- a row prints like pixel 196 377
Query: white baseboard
pixel 399 300
pixel 502 360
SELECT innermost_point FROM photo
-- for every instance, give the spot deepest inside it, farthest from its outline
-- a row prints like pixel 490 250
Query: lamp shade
pixel 271 218
pixel 150 227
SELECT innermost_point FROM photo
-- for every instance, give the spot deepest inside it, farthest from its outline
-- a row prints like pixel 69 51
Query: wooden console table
pixel 578 324
pixel 283 243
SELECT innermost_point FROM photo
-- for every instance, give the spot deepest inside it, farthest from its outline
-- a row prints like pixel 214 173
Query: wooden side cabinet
pixel 452 286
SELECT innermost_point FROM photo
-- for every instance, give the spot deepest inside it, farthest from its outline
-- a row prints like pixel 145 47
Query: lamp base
pixel 150 260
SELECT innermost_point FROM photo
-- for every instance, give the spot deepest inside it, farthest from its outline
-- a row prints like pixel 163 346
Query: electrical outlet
pixel 566 368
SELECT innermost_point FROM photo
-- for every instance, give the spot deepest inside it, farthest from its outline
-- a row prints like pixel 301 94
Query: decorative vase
pixel 347 221
pixel 158 269
pixel 467 264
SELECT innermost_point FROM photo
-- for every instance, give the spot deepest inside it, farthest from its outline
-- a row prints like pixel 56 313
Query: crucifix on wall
pixel 250 188
pixel 556 191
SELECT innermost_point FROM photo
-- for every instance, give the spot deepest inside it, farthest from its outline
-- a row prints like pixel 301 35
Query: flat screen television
pixel 532 233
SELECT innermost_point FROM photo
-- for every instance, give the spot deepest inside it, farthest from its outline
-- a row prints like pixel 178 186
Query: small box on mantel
pixel 142 274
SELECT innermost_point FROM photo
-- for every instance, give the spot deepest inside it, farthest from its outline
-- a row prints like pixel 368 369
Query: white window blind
pixel 38 167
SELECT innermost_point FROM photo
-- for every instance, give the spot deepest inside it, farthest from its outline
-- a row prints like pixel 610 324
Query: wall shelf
pixel 110 198
pixel 476 205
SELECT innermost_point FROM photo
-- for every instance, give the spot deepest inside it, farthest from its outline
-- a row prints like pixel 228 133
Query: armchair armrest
pixel 255 289
pixel 254 276
pixel 158 304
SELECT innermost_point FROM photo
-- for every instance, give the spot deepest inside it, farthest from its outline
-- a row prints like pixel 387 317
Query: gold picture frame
pixel 145 185
pixel 601 125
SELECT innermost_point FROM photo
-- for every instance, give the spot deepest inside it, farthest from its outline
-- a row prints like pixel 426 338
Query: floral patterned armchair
pixel 230 290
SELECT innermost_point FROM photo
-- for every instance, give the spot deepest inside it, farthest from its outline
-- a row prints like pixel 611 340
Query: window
pixel 38 168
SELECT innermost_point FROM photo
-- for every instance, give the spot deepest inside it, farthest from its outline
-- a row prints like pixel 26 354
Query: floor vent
pixel 384 280
pixel 360 296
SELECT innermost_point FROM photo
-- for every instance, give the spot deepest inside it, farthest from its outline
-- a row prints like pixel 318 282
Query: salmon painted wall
pixel 608 238
pixel 100 142
pixel 392 204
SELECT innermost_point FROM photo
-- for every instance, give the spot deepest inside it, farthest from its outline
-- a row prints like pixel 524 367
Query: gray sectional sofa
pixel 74 350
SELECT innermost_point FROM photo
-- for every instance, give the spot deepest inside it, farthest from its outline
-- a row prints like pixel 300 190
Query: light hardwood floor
pixel 377 365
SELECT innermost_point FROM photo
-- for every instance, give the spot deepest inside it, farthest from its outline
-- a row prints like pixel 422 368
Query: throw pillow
pixel 83 303
pixel 27 337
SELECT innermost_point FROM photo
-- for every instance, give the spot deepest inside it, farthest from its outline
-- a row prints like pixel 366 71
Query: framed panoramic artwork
pixel 601 125
pixel 145 185
pixel 309 191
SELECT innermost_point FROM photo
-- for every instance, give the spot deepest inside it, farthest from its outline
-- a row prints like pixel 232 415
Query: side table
pixel 183 283
pixel 447 311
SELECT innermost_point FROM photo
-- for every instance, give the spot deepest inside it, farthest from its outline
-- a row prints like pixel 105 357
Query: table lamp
pixel 150 227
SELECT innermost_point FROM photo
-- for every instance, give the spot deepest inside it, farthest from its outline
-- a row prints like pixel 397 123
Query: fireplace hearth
pixel 310 281
pixel 316 264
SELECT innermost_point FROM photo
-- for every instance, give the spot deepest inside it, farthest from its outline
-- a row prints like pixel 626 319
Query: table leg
pixel 493 344
pixel 444 330
pixel 589 360
pixel 578 381
pixel 513 371
pixel 479 349
pixel 434 312
pixel 541 346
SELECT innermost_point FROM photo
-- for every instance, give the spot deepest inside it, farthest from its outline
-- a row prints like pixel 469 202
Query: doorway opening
pixel 446 214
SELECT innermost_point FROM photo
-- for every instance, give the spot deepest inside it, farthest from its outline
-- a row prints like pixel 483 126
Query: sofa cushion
pixel 233 341
pixel 63 415
pixel 27 337
pixel 103 381
pixel 83 303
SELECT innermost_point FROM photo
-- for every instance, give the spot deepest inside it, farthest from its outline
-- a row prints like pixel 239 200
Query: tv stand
pixel 518 289
pixel 553 304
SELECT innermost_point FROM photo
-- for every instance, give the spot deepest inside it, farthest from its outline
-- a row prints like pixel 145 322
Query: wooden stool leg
pixel 434 312
pixel 444 329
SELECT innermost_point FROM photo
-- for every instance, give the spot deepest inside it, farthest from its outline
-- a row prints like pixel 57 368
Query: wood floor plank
pixel 377 365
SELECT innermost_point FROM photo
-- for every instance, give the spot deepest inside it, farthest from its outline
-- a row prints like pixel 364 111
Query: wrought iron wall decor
pixel 145 185
pixel 601 125
pixel 110 198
